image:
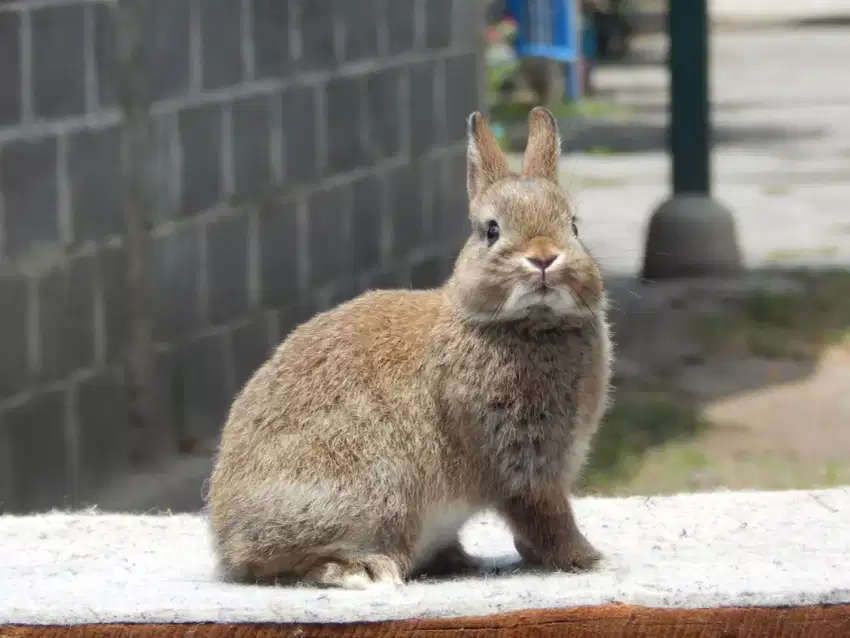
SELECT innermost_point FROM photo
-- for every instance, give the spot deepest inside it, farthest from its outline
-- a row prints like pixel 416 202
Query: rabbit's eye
pixel 492 232
pixel 575 228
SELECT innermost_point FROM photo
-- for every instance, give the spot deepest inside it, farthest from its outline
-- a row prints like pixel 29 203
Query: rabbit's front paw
pixel 578 556
pixel 575 556
pixel 546 534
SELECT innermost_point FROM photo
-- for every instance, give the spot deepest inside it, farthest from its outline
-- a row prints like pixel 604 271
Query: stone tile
pixel 383 114
pixel 15 373
pixel 201 366
pixel 317 34
pixel 401 25
pixel 344 124
pixel 252 122
pixel 227 268
pixel 104 437
pixel 407 208
pixel 367 222
pixel 10 68
pixel 462 90
pixel 105 52
pixel 249 348
pixel 113 285
pixel 200 139
pixel 271 36
pixel 438 24
pixel 299 106
pixel 360 22
pixel 329 244
pixel 424 119
pixel 94 171
pixel 280 250
pixel 35 433
pixel 221 43
pixel 58 60
pixel 166 37
pixel 28 172
pixel 176 280
pixel 66 319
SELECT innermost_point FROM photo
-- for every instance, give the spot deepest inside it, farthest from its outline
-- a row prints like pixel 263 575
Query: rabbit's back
pixel 331 444
pixel 343 390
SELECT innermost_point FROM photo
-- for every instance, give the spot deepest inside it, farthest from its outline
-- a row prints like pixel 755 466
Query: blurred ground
pixel 649 15
pixel 738 383
pixel 759 11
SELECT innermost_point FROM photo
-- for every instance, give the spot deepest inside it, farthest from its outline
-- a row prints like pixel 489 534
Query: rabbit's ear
pixel 485 162
pixel 544 146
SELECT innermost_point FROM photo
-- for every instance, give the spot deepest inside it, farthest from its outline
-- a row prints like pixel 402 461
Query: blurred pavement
pixel 781 111
pixel 649 16
pixel 778 10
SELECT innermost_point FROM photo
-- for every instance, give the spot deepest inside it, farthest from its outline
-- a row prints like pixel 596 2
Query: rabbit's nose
pixel 542 262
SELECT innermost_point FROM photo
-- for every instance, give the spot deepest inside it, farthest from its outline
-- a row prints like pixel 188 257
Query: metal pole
pixel 690 114
pixel 690 234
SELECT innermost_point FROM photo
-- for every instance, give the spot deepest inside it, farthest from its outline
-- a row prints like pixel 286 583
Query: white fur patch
pixel 440 527
pixel 524 297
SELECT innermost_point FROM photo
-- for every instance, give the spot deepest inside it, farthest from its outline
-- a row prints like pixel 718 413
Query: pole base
pixel 689 236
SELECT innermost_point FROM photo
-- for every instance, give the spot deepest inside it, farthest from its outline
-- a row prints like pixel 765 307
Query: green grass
pixel 658 442
pixel 601 151
pixel 788 254
pixel 775 189
pixel 796 325
pixel 700 466
pixel 638 422
pixel 496 75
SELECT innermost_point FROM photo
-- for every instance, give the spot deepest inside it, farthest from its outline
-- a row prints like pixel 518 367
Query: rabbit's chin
pixel 556 304
pixel 532 300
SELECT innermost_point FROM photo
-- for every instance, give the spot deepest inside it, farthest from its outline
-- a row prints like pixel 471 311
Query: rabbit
pixel 355 454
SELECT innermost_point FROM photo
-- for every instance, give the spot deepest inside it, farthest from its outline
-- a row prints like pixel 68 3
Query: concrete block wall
pixel 182 181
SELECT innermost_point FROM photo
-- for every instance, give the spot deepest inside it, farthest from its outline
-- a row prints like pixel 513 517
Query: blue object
pixel 551 29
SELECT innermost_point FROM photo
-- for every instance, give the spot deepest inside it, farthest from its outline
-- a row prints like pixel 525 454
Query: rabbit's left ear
pixel 486 164
pixel 544 146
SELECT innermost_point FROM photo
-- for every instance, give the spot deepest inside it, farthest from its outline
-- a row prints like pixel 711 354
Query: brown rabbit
pixel 356 453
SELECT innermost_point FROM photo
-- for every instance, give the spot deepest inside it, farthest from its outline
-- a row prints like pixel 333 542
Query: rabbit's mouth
pixel 545 291
pixel 539 296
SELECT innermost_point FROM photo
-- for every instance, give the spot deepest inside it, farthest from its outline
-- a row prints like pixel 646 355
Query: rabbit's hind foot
pixel 357 572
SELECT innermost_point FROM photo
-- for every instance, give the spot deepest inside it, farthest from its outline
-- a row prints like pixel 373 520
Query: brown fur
pixel 354 455
pixel 541 154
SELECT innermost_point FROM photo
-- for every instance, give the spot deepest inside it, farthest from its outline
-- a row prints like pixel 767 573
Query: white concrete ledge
pixel 735 549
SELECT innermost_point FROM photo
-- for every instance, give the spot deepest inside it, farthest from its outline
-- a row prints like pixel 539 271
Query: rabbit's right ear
pixel 485 162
